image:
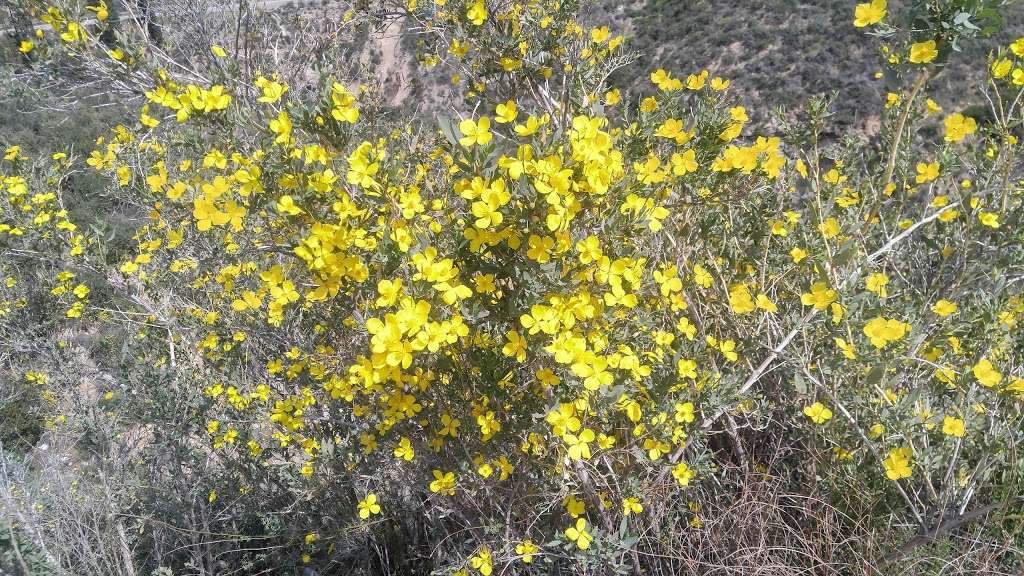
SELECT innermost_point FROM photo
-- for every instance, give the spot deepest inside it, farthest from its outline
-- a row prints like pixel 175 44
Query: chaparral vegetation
pixel 466 287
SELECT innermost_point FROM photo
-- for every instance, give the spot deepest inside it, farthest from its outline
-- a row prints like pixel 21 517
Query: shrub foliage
pixel 549 330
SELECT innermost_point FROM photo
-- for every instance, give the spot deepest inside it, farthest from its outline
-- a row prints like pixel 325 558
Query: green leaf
pixel 449 130
pixel 800 384
pixel 963 20
pixel 875 375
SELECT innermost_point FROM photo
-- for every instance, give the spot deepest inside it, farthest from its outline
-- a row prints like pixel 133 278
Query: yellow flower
pixel 487 209
pixel 478 133
pixel 593 369
pixel 701 276
pixel 388 292
pixel 846 348
pixel 510 64
pixel 1016 387
pixel 869 13
pixel 990 219
pixel 579 534
pixel 506 113
pixel 272 90
pixel 532 125
pixel 539 248
pixel 482 562
pixel 26 46
pixel 926 172
pixel 696 81
pixel 631 505
pixel 986 373
pixel 687 368
pixel 740 299
pixel 449 426
pixel 218 51
pixel 574 507
pixel 443 483
pixel 282 127
pixel 579 445
pixel 673 129
pixel 1017 47
pixel 404 450
pixel 684 412
pixel 728 349
pixel 829 228
pixel 953 427
pixel 719 84
pixel 897 465
pixel 515 347
pixel 959 127
pixel 368 506
pixel 488 424
pixel 589 249
pixel 883 332
pixel 682 473
pixel 648 104
pixel 686 328
pixel 75 311
pixel 527 549
pixel 685 163
pixel 923 52
pixel 818 413
pixel 820 296
pixel 766 304
pixel 207 215
pixel 876 282
pixel 837 312
pixel 944 308
pixel 477 13
pixel 1000 68
pixel 485 470
pixel 286 205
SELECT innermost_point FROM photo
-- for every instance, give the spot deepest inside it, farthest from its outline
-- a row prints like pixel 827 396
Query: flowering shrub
pixel 540 327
